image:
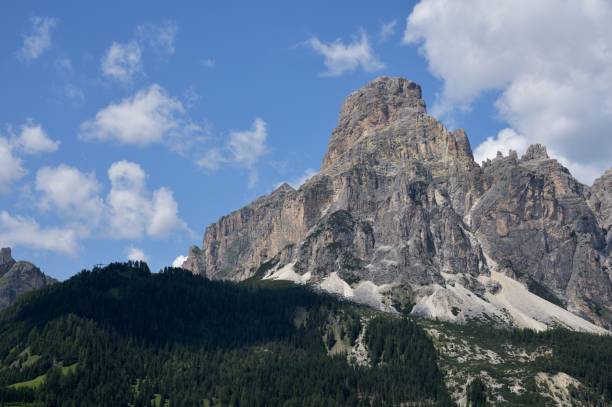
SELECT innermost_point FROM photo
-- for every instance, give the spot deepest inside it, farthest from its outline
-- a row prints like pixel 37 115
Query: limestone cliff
pixel 18 277
pixel 401 214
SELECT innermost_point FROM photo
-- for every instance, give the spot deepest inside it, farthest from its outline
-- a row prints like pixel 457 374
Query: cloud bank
pixel 549 61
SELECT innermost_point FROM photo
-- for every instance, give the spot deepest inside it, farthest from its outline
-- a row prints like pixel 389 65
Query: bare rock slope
pixel 400 214
pixel 18 277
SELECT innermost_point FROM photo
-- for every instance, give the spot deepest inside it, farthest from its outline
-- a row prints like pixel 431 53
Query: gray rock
pixel 18 278
pixel 600 201
pixel 399 201
pixel 534 220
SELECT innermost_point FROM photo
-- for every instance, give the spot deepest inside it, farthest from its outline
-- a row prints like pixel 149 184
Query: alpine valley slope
pixel 401 217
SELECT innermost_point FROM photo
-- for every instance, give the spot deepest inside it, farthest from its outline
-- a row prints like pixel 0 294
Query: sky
pixel 127 128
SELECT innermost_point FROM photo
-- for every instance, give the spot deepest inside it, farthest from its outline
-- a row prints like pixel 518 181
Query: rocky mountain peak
pixel 5 255
pixel 380 102
pixel 401 214
pixel 535 152
pixel 284 188
pixel 6 260
pixel 18 277
pixel 600 201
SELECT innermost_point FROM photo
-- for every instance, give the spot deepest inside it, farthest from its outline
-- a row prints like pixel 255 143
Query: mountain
pixel 18 277
pixel 401 217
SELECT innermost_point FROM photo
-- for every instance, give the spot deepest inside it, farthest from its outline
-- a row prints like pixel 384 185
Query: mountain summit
pixel 18 277
pixel 401 217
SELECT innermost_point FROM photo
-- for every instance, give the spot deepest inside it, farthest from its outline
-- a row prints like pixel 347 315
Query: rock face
pixel 600 201
pixel 18 277
pixel 400 203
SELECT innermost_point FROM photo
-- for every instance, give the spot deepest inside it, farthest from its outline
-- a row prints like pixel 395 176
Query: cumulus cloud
pixel 122 61
pixel 164 214
pixel 26 232
pixel 340 58
pixel 33 139
pixel 506 140
pixel 135 254
pixel 178 262
pixel 142 119
pixel 72 194
pixel 39 38
pixel 133 210
pixel 11 168
pixel 249 145
pixel 129 210
pixel 550 62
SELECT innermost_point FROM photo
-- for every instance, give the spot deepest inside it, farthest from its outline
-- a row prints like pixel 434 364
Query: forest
pixel 123 336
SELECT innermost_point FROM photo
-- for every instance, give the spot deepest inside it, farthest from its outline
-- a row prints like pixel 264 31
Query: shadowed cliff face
pixel 400 202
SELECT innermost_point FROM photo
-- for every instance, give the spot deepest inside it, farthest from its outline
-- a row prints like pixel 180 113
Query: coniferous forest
pixel 123 336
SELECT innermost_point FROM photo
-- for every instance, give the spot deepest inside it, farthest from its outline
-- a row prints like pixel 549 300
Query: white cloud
pixel 244 149
pixel 212 160
pixel 550 61
pixel 129 210
pixel 340 57
pixel 122 61
pixel 142 119
pixel 178 262
pixel 249 145
pixel 134 211
pixel 159 36
pixel 26 232
pixel 11 168
pixel 164 214
pixel 506 140
pixel 387 30
pixel 39 39
pixel 135 254
pixel 34 140
pixel 72 194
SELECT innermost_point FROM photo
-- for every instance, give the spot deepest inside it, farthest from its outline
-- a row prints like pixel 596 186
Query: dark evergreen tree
pixel 477 393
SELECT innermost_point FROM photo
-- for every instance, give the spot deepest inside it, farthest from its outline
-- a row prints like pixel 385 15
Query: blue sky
pixel 129 127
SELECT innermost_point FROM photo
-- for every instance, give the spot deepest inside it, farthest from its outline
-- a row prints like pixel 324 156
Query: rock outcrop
pixel 400 204
pixel 18 277
pixel 600 201
pixel 535 222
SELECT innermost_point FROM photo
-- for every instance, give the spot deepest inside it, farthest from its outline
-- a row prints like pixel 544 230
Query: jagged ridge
pixel 400 205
